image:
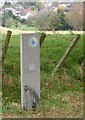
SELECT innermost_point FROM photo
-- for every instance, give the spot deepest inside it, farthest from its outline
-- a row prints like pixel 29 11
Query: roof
pixel 66 1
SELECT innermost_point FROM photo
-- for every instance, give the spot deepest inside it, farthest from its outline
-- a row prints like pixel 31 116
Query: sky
pixel 6 0
pixel 65 0
pixel 46 0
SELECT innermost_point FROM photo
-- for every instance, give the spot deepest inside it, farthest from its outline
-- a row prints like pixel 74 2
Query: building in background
pixel 66 4
pixel 3 1
pixel 47 3
pixel 66 1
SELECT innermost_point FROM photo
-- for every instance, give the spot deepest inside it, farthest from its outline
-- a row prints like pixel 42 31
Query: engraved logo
pixel 33 42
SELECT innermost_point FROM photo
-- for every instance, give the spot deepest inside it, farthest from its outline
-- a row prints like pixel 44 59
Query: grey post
pixel 30 70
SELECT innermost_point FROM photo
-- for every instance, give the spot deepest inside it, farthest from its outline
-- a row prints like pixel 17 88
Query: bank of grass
pixel 62 95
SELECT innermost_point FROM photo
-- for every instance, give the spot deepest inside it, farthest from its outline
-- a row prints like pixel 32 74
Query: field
pixel 25 27
pixel 61 96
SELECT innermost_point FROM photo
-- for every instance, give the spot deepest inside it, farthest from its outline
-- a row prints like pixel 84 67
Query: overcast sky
pixel 46 0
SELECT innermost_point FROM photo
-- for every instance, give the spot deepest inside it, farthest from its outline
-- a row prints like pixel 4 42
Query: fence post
pixel 68 50
pixel 30 70
pixel 6 43
pixel 43 36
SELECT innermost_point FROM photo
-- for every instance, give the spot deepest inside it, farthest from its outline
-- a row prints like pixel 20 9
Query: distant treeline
pixel 72 19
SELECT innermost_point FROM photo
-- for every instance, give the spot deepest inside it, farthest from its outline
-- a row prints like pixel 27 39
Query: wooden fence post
pixel 43 36
pixel 6 43
pixel 68 50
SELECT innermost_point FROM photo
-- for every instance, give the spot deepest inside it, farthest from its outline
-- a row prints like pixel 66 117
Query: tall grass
pixel 66 82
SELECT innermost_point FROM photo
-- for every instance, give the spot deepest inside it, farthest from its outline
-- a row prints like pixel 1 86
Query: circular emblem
pixel 33 42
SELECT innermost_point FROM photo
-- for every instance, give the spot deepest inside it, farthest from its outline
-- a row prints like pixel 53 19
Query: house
pixel 14 11
pixel 1 11
pixel 50 8
pixel 11 1
pixel 1 3
pixel 47 3
pixel 21 13
pixel 25 15
pixel 19 7
pixel 55 9
pixel 65 1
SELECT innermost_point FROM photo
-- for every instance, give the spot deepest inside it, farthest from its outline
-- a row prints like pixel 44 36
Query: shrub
pixel 9 22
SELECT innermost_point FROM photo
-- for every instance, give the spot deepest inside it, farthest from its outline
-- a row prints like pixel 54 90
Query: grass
pixel 61 96
pixel 0 77
pixel 25 27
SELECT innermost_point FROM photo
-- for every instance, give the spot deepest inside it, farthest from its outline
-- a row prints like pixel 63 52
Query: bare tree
pixel 47 21
pixel 75 16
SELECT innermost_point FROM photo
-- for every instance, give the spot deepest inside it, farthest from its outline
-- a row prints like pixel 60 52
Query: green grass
pixel 61 93
pixel 25 27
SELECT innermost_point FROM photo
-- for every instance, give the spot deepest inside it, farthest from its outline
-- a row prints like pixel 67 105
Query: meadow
pixel 25 27
pixel 62 95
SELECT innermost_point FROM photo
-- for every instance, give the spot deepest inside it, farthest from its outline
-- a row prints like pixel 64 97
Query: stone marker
pixel 30 70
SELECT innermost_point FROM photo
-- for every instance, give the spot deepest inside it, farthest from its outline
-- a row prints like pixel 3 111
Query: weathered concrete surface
pixel 30 70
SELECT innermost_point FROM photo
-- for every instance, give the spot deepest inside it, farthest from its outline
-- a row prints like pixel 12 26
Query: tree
pixel 55 4
pixel 23 21
pixel 61 9
pixel 31 21
pixel 39 5
pixel 54 21
pixel 7 4
pixel 0 20
pixel 84 16
pixel 10 14
pixel 33 5
pixel 75 16
pixel 9 22
pixel 42 21
pixel 6 15
pixel 47 21
pixel 64 24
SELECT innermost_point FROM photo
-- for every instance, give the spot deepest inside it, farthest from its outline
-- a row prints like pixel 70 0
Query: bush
pixel 47 21
pixel 31 21
pixel 9 22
